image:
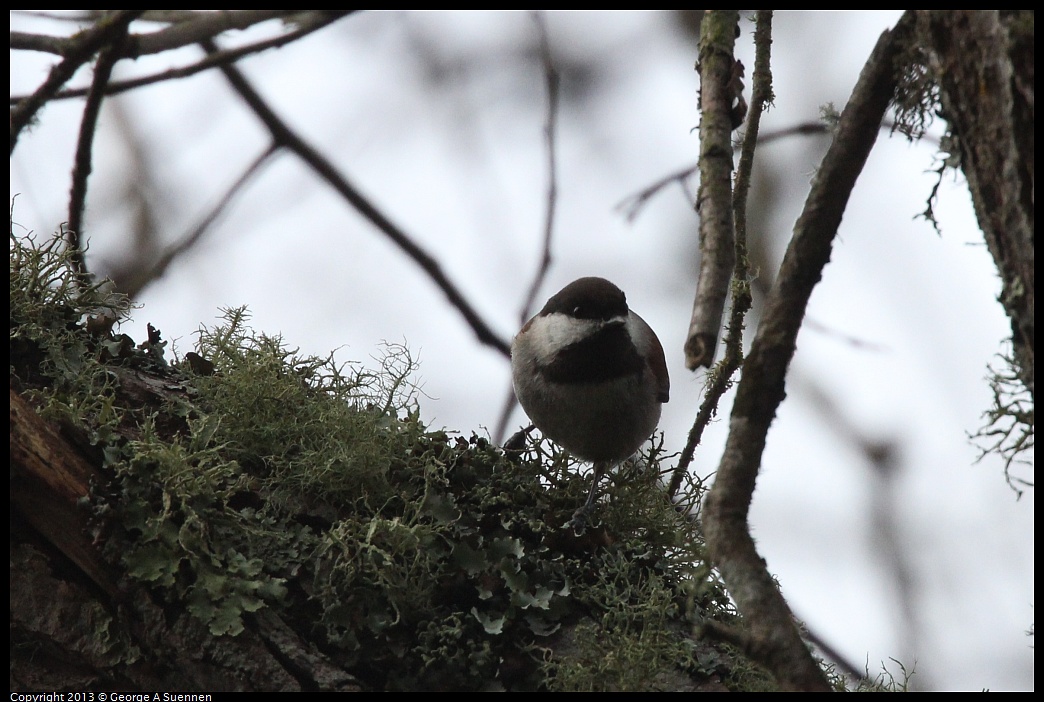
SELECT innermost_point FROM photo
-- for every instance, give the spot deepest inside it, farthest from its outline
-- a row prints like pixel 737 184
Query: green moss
pixel 886 680
pixel 255 477
pixel 310 428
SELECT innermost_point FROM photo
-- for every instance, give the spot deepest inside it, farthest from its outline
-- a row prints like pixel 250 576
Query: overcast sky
pixel 439 117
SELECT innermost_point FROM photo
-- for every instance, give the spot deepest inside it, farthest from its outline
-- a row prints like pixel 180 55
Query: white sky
pixel 459 164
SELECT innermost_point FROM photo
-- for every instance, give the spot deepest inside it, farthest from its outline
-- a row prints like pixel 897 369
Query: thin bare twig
pixel 776 642
pixel 551 78
pixel 132 284
pixel 313 22
pixel 632 205
pixel 305 25
pixel 550 123
pixel 827 649
pixel 185 29
pixel 85 45
pixel 84 149
pixel 883 458
pixel 284 137
pixel 205 25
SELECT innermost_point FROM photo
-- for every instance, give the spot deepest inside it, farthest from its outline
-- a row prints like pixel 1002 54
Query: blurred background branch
pixel 437 117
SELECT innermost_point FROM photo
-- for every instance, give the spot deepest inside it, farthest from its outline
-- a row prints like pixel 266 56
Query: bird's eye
pixel 578 312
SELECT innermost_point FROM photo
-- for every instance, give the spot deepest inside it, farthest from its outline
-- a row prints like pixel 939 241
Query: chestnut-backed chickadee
pixel 591 374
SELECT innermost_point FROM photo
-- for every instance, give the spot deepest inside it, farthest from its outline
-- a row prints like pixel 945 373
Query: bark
pixel 983 62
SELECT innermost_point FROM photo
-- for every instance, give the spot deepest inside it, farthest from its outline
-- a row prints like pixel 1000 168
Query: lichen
pixel 253 477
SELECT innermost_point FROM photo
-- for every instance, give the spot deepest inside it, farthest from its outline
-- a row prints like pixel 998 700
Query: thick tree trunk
pixel 983 62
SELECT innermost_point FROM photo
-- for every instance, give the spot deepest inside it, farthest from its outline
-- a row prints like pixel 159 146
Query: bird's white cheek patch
pixel 556 331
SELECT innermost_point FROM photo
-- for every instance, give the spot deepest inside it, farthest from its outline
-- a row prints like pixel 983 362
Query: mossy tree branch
pixel 982 62
pixel 714 203
pixel 174 527
pixel 774 638
pixel 720 379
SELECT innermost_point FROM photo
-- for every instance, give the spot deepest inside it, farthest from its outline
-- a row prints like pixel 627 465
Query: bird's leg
pixel 599 471
pixel 579 520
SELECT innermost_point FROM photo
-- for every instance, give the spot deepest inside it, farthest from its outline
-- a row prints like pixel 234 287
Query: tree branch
pixel 205 25
pixel 777 643
pixel 48 478
pixel 133 280
pixel 24 41
pixel 551 81
pixel 632 205
pixel 550 123
pixel 315 21
pixel 185 28
pixel 284 137
pixel 714 203
pixel 82 47
pixel 721 378
pixel 84 148
pixel 983 62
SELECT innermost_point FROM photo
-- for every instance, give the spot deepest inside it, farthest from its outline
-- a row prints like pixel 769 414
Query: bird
pixel 591 375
